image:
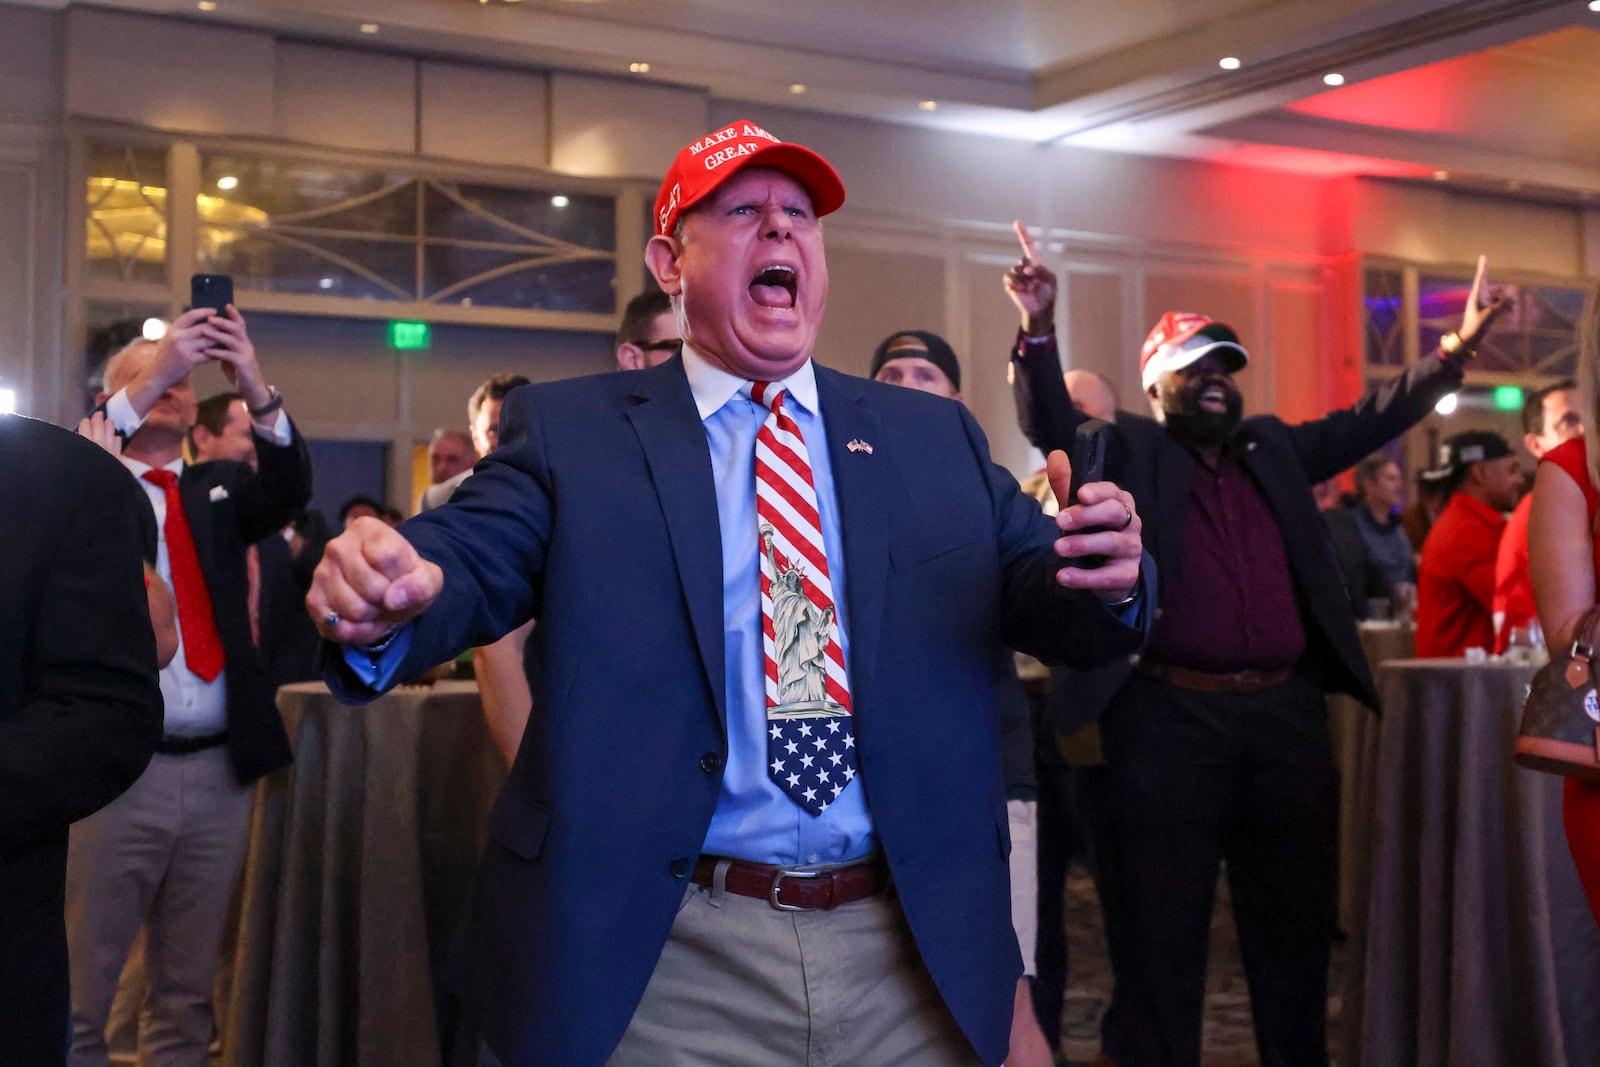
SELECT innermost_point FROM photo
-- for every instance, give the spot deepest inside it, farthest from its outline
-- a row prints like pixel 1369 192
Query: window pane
pixel 127 213
pixel 1381 295
pixel 283 226
pixel 1537 336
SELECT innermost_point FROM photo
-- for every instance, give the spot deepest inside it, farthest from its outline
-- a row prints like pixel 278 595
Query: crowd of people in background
pixel 1207 748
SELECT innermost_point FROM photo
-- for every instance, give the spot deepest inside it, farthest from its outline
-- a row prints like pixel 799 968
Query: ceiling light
pixel 1334 78
pixel 559 201
pixel 1441 175
pixel 227 183
pixel 1447 404
pixel 1229 63
pixel 207 5
pixel 1594 5
pixel 928 105
pixel 153 329
pixel 798 88
pixel 324 283
pixel 369 27
pixel 639 68
pixel 8 401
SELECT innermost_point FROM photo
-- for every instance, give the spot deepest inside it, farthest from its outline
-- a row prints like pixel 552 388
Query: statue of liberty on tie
pixel 801 633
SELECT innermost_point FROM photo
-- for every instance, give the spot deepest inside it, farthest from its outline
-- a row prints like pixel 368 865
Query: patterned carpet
pixel 1229 1041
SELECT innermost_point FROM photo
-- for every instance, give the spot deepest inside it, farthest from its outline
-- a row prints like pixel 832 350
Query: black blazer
pixel 230 507
pixel 80 708
pixel 1285 462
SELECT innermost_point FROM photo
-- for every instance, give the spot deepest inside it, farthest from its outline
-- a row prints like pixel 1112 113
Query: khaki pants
pixel 740 983
pixel 165 855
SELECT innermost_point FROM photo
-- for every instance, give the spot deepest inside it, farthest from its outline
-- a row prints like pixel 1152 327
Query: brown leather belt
pixel 798 888
pixel 1214 681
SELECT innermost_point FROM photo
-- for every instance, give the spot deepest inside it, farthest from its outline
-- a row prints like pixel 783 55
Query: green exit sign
pixel 410 336
pixel 1508 398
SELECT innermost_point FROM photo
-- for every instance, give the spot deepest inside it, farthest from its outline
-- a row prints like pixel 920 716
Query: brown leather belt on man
pixel 797 888
pixel 1248 681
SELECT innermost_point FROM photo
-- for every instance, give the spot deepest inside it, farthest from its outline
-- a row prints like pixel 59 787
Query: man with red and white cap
pixel 769 595
pixel 1215 740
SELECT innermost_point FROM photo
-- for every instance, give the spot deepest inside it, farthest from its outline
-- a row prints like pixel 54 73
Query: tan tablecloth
pixel 1354 731
pixel 1476 946
pixel 360 863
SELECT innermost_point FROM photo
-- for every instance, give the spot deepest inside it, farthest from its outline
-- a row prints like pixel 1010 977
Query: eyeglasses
pixel 673 345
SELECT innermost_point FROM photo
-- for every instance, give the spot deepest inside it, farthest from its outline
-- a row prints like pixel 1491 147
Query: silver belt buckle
pixel 791 872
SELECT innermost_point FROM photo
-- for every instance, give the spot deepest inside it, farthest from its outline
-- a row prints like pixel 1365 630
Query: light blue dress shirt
pixel 754 820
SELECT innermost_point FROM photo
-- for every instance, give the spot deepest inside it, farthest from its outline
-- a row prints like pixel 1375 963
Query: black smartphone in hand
pixel 1088 457
pixel 211 291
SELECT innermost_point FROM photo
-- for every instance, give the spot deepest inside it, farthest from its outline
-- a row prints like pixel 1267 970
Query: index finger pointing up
pixel 1030 253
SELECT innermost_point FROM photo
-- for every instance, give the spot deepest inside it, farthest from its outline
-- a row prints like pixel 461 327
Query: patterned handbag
pixel 1560 730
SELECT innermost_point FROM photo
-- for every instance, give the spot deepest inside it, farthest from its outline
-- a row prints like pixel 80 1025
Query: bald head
pixel 1092 394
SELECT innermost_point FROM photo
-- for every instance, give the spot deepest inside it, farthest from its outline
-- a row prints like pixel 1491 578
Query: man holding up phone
pixel 166 853
pixel 1216 742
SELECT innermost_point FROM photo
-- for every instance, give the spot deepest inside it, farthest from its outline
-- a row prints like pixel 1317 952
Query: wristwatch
pixel 274 402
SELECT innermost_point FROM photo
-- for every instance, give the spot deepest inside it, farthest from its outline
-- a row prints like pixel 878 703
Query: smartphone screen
pixel 211 291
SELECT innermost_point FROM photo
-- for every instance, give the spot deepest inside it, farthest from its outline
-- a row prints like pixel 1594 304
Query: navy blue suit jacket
pixel 598 516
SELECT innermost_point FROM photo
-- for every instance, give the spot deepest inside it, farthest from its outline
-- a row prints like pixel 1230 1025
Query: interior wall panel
pixel 170 74
pixel 484 115
pixel 352 100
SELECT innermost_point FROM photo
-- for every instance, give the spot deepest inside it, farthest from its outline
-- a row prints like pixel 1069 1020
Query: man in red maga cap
pixel 1215 740
pixel 757 814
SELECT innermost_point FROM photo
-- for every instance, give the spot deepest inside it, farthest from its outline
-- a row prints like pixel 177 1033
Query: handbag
pixel 1560 731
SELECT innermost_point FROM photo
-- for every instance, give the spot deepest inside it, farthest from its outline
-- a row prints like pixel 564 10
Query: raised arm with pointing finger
pixel 1216 742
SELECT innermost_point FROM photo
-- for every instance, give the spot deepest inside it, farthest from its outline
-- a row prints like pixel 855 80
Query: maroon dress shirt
pixel 1234 606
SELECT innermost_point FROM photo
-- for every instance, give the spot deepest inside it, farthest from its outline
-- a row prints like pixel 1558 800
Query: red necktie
pixel 810 737
pixel 202 648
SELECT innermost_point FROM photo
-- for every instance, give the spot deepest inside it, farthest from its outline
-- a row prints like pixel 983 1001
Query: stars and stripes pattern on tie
pixel 810 736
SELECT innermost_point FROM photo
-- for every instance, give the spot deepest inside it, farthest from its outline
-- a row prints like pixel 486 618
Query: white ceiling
pixel 1494 93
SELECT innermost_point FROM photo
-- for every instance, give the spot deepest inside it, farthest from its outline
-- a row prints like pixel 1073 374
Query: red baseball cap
pixel 720 154
pixel 1180 338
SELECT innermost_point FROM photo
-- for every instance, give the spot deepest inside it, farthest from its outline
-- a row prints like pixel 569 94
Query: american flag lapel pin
pixel 858 445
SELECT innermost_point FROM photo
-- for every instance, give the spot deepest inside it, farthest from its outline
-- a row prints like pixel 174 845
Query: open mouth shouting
pixel 774 286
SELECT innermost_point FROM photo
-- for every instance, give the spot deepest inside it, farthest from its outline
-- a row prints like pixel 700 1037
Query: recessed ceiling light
pixel 1229 63
pixel 324 283
pixel 639 68
pixel 207 5
pixel 928 105
pixel 153 329
pixel 1334 78
pixel 227 183
pixel 1447 404
pixel 559 201
pixel 1594 5
pixel 1441 175
pixel 797 88
pixel 369 27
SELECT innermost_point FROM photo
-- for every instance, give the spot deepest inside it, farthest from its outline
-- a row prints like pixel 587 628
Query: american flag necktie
pixel 811 743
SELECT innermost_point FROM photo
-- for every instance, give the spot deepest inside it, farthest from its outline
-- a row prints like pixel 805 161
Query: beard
pixel 1207 429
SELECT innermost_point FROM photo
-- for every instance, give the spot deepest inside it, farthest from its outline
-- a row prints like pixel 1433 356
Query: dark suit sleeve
pixel 90 711
pixel 1341 439
pixel 1044 407
pixel 1039 616
pixel 269 498
pixel 490 542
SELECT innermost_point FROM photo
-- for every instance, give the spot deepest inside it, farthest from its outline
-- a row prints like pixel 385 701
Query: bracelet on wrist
pixel 1125 601
pixel 274 402
pixel 1452 345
